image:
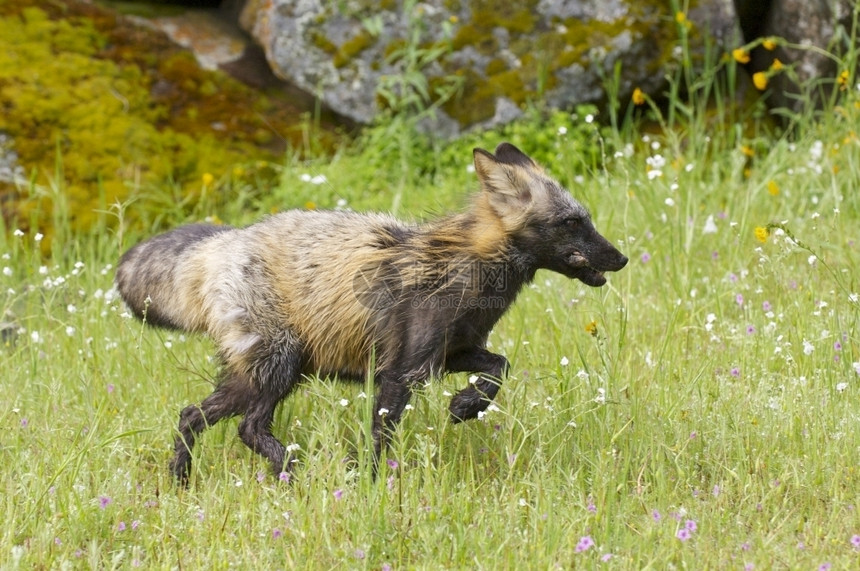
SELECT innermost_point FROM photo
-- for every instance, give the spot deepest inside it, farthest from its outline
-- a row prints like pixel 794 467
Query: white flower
pixel 481 414
pixel 601 396
pixel 293 447
pixel 811 259
pixel 38 237
pixel 589 118
pixel 669 201
pixel 35 337
pixel 7 271
pixel 319 179
pixel 344 402
pixel 18 233
pixel 840 387
pixel 710 226
pixel 383 411
pixel 71 308
pixel 565 362
pixel 856 367
pixel 562 130
pixel 808 348
pixel 70 331
pixel 473 379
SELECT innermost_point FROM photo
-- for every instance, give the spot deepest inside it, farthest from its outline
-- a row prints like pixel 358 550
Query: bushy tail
pixel 147 276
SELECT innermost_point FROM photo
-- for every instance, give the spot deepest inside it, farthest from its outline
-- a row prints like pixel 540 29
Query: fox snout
pixel 589 266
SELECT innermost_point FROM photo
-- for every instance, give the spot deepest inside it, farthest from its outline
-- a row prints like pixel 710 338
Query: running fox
pixel 329 293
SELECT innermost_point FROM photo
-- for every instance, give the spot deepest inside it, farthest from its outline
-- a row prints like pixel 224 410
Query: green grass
pixel 714 380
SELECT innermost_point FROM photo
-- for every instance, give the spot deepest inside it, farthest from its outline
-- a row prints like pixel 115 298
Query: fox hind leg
pixel 276 375
pixel 229 399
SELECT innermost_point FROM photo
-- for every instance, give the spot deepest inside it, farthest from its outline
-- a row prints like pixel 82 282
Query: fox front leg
pixel 492 369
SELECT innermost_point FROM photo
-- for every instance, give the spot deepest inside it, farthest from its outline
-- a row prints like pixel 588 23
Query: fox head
pixel 542 219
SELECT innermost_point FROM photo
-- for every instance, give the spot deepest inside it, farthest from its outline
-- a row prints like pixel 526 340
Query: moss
pixel 89 111
pixel 352 47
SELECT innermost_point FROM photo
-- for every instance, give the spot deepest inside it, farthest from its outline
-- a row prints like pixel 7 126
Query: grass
pixel 700 411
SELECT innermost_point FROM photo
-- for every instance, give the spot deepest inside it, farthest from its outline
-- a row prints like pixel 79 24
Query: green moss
pixel 89 112
pixel 352 47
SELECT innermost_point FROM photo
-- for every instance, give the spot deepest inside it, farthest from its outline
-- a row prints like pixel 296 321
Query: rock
pixel 819 24
pixel 360 57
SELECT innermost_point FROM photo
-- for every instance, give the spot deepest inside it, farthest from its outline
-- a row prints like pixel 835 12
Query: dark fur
pixel 328 292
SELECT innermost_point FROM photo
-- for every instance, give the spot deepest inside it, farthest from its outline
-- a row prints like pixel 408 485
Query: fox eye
pixel 572 222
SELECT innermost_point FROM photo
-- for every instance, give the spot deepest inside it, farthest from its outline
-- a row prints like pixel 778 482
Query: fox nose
pixel 622 261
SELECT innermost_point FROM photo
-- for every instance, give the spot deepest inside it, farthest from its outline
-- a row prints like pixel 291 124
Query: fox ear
pixel 506 183
pixel 509 154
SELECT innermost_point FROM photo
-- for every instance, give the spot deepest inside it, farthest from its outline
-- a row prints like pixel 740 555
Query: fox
pixel 357 296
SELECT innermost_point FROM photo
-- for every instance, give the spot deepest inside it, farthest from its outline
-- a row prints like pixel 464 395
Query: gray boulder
pixel 476 63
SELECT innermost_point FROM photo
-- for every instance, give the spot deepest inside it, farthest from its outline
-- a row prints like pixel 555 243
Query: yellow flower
pixel 747 151
pixel 741 55
pixel 453 19
pixel 761 233
pixel 776 65
pixel 769 44
pixel 310 205
pixel 638 97
pixel 681 20
pixel 592 328
pixel 842 80
pixel 208 179
pixel 760 80
pixel 772 188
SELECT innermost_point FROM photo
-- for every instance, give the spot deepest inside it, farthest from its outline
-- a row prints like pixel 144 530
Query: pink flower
pixel 585 543
pixel 683 534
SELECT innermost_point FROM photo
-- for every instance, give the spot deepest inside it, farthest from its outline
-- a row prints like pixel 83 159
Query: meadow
pixel 700 411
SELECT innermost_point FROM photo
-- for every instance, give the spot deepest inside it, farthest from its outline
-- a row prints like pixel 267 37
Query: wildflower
pixel 638 97
pixel 38 237
pixel 18 233
pixel 855 541
pixel 7 271
pixel 710 226
pixel 750 329
pixel 691 526
pixel 741 55
pixel 760 79
pixel 747 151
pixel 121 526
pixel 135 524
pixel 383 411
pixel 606 557
pixel 656 516
pixel 284 476
pixel 110 388
pixel 769 44
pixel 826 566
pixel 683 534
pixel 562 130
pixel 592 328
pixel 564 361
pixel 739 299
pixel 735 372
pixel 761 234
pixel 104 501
pixel 338 494
pixel 766 305
pixel 776 65
pixel 392 464
pixel 646 257
pixel 842 80
pixel 344 402
pixel 207 179
pixel 808 347
pixel 359 554
pixel 772 189
pixel 840 387
pixel 276 533
pixel 585 543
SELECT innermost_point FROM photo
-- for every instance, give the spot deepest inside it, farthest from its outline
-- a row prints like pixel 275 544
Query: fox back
pixel 330 292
